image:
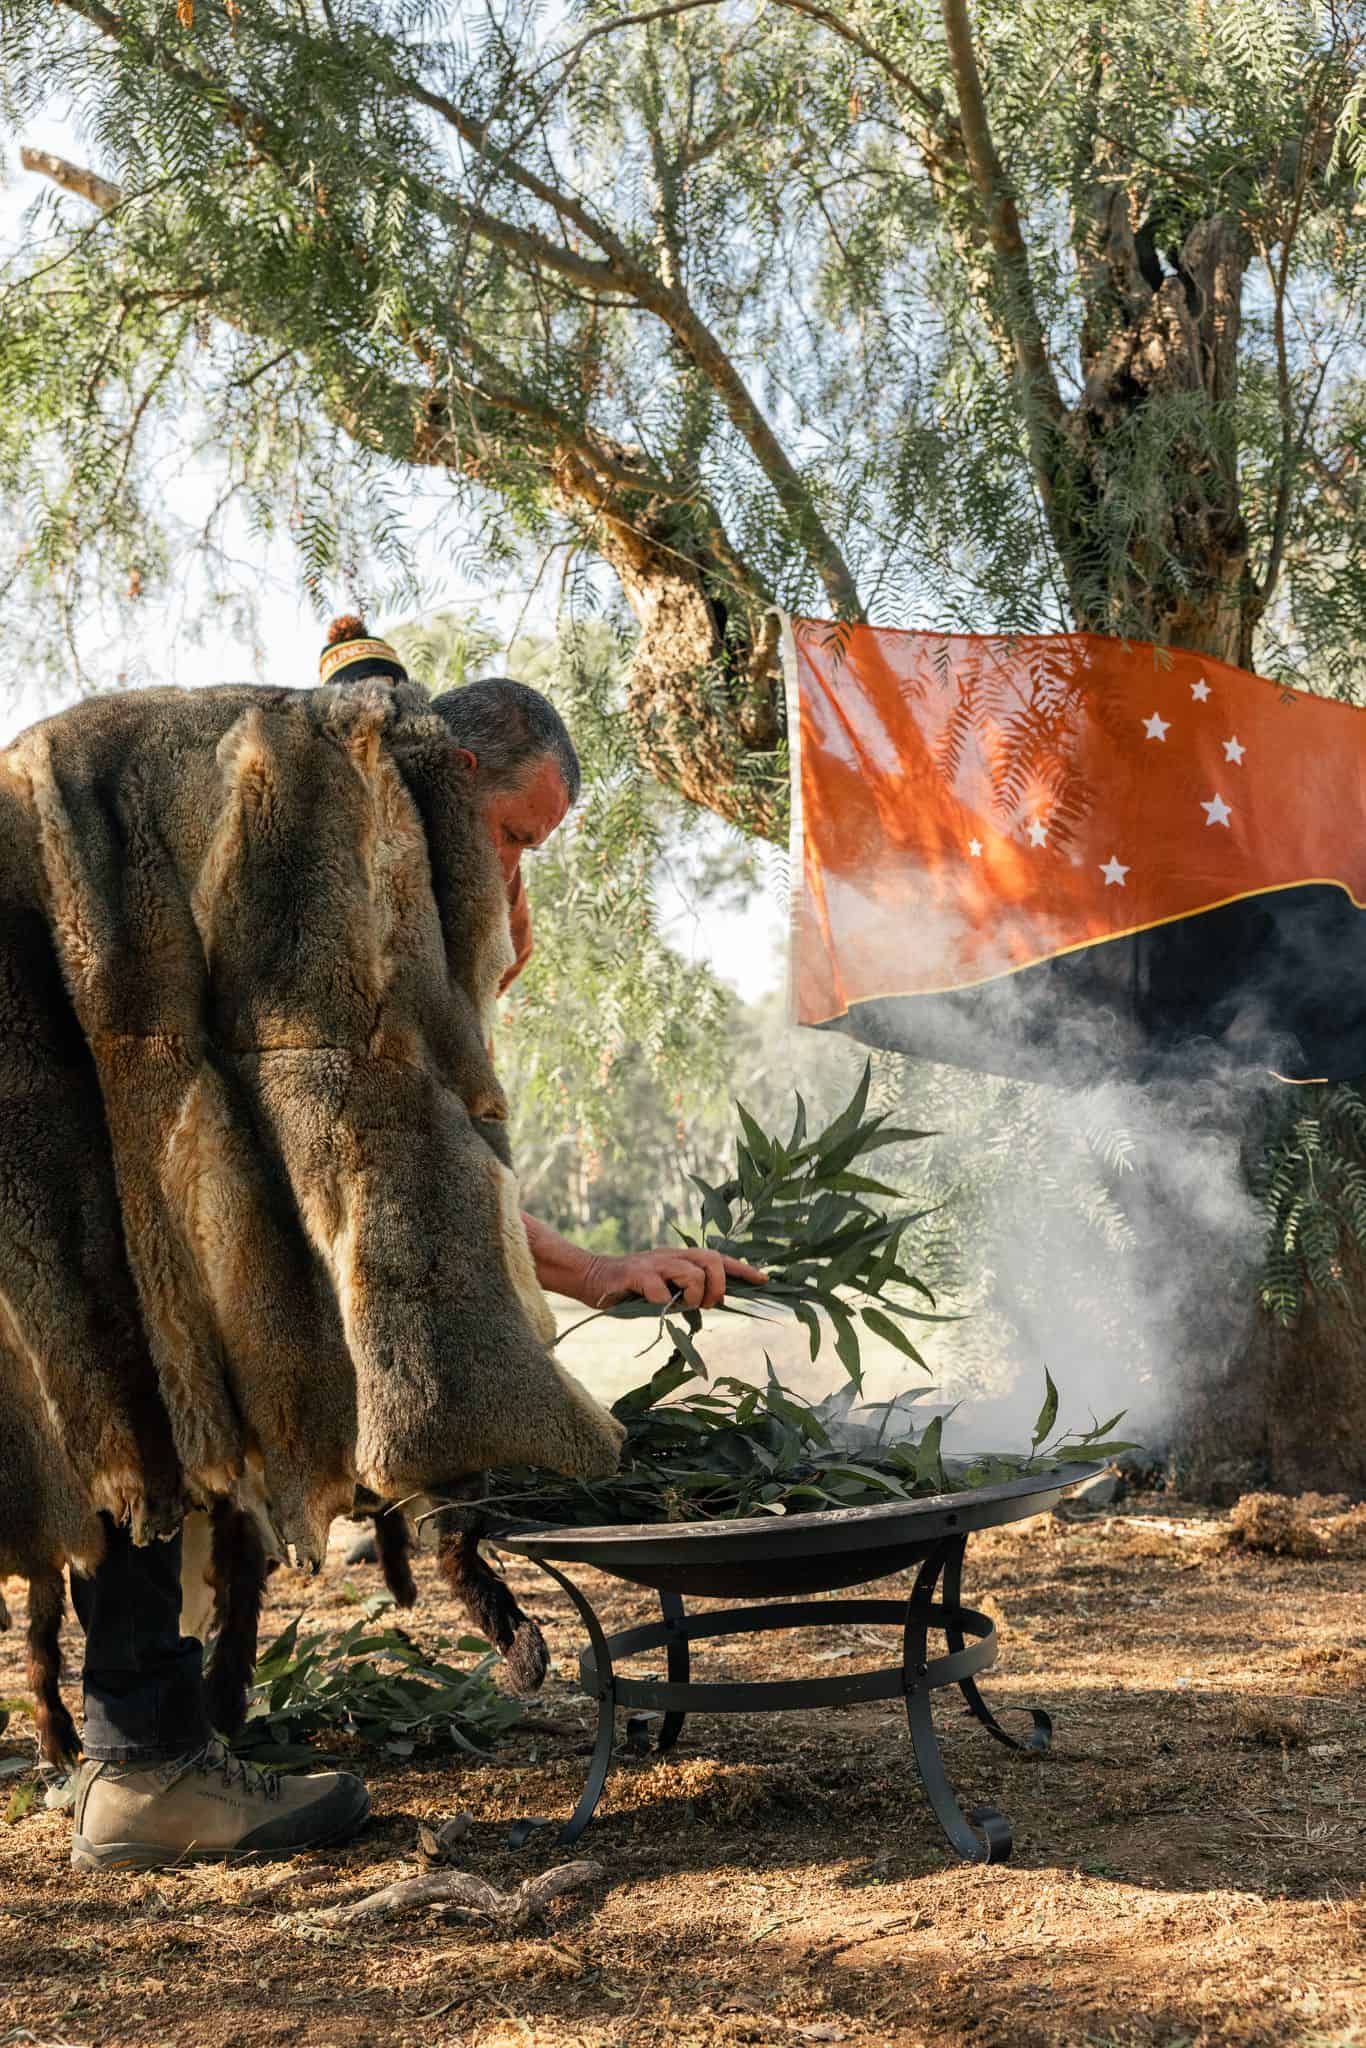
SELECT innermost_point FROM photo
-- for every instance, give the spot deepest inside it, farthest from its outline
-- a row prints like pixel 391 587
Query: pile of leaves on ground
pixel 375 1686
pixel 802 1209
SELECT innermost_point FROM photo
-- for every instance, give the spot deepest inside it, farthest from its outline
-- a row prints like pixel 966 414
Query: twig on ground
pixel 466 1897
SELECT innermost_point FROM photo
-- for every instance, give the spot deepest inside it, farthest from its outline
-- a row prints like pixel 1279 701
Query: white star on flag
pixel 1200 690
pixel 1234 750
pixel 1114 871
pixel 1038 833
pixel 975 848
pixel 1216 810
pixel 1156 727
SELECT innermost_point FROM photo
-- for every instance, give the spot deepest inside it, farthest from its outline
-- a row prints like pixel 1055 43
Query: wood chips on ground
pixel 1188 1870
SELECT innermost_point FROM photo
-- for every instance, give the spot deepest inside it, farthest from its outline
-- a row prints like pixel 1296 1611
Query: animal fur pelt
pixel 255 1246
pixel 489 1601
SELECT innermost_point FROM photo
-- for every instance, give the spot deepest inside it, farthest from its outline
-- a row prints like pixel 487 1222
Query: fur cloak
pixel 256 1238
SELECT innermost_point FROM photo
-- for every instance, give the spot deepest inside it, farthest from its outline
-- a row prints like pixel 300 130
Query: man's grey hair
pixel 508 727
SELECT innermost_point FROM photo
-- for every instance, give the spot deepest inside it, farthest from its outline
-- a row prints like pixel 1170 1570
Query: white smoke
pixel 1105 1230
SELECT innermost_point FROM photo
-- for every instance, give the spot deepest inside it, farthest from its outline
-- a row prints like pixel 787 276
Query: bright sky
pixel 744 947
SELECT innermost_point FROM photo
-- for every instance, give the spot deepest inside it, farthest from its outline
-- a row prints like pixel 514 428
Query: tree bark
pixel 1160 338
pixel 1316 1392
pixel 703 692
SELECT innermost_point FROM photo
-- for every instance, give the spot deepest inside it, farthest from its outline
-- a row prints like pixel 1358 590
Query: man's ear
pixel 470 760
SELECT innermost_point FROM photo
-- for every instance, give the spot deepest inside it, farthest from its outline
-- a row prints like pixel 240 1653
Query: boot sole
pixel 146 1856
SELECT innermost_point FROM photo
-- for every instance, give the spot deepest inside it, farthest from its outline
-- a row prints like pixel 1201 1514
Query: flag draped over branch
pixel 1067 856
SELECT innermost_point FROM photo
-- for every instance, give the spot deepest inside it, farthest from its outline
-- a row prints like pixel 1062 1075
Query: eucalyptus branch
pixel 698 1448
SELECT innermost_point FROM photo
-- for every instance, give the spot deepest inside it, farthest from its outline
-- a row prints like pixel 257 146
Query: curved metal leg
pixel 606 1696
pixel 983 1835
pixel 1040 1736
pixel 680 1669
pixel 597 1772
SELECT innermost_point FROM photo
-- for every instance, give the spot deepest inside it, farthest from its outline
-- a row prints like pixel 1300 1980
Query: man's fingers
pixel 738 1270
pixel 715 1267
pixel 690 1279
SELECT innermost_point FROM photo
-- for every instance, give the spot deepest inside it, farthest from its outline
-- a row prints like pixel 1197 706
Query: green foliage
pixel 373 1684
pixel 24 1797
pixel 747 1448
pixel 608 1014
pixel 799 1207
pixel 21 1802
pixel 1312 1184
pixel 446 648
pixel 573 269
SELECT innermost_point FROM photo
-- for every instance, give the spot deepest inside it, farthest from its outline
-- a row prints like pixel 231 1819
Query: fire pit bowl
pixel 768 1557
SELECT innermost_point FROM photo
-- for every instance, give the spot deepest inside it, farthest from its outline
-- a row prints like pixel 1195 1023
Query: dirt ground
pixel 1188 1867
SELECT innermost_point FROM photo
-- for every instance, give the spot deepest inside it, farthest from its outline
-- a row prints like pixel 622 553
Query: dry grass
pixel 1309 1525
pixel 1275 1523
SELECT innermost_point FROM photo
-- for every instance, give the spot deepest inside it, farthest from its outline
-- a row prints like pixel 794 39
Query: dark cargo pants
pixel 144 1680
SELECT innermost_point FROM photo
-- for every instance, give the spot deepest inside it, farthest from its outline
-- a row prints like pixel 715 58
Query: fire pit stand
pixel 818 1553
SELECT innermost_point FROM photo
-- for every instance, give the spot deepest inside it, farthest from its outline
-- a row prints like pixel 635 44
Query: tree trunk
pixel 1163 554
pixel 703 694
pixel 1280 1409
pixel 1316 1393
pixel 1154 433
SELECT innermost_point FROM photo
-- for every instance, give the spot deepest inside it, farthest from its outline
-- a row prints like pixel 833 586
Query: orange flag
pixel 1065 855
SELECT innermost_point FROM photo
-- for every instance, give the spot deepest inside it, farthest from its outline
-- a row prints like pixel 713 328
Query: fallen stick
pixel 466 1896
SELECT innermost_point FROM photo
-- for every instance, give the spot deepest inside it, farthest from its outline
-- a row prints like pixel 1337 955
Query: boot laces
pixel 235 1770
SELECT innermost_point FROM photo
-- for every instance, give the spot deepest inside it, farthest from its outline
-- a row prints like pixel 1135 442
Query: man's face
pixel 517 819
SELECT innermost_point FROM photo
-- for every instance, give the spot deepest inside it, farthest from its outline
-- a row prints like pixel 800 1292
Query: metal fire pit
pixel 767 1557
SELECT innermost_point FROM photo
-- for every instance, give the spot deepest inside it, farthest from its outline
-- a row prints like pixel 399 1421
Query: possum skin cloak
pixel 257 1239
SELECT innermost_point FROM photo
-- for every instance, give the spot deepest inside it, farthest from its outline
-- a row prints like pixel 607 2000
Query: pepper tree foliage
pixel 1010 318
pixel 1313 1184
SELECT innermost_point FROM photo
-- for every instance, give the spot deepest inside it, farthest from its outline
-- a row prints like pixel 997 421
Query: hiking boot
pixel 203 1808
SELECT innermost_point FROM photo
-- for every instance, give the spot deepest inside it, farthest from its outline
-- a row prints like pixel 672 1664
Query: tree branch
pixel 477 135
pixel 668 301
pixel 1294 433
pixel 72 178
pixel 603 474
pixel 1035 370
pixel 620 270
pixel 825 16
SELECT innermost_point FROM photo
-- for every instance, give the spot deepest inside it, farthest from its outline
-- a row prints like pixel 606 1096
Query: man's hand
pixel 693 1279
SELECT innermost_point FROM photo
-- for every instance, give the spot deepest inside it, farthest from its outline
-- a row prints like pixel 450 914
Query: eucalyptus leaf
pixel 811 1323
pixel 762 1148
pixel 883 1326
pixel 22 1801
pixel 851 1116
pixel 684 1345
pixel 1048 1414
